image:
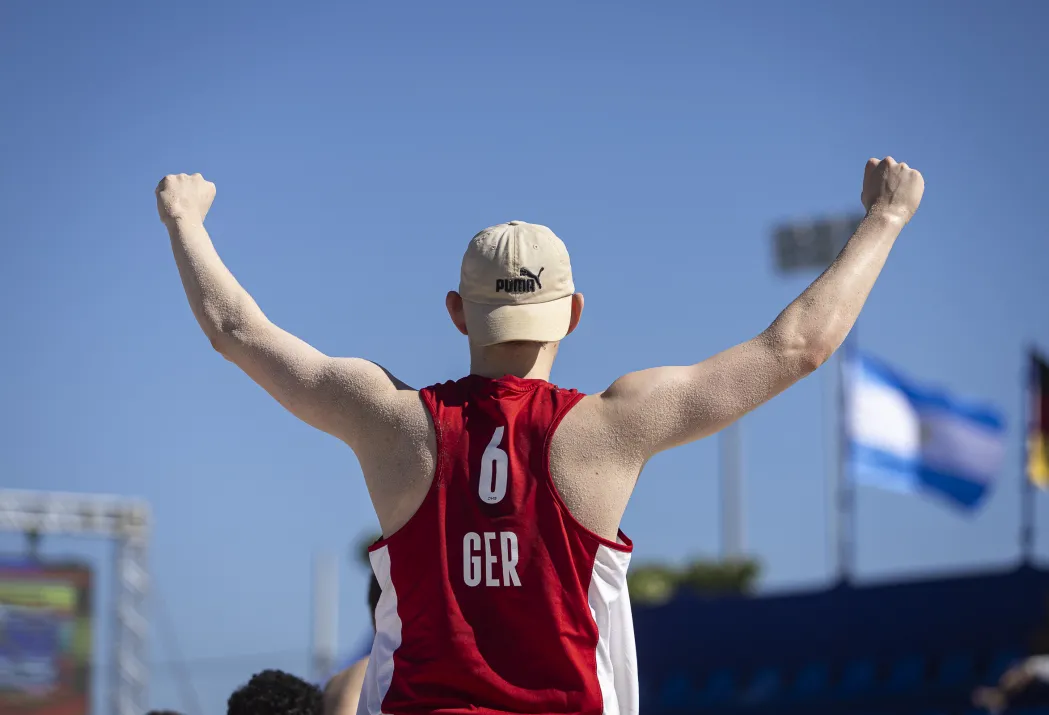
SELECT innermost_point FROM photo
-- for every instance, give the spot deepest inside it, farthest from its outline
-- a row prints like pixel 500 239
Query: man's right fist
pixel 184 197
pixel 891 187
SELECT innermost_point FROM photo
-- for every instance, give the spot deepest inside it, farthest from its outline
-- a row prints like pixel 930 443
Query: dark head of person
pixel 274 692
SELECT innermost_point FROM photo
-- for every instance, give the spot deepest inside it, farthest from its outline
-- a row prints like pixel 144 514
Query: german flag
pixel 1038 424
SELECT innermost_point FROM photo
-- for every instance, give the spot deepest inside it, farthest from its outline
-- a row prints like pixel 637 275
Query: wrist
pixel 887 217
pixel 182 220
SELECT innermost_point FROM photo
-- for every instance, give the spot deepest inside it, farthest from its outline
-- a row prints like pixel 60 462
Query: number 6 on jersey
pixel 491 487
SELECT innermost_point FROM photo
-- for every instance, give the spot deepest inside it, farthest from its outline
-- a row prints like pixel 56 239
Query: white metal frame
pixel 125 521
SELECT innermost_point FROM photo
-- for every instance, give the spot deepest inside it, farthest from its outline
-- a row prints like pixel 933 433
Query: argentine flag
pixel 914 438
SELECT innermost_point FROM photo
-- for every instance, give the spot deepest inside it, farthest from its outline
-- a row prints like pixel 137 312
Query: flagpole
pixel 731 454
pixel 831 435
pixel 325 615
pixel 845 503
pixel 811 245
pixel 1027 490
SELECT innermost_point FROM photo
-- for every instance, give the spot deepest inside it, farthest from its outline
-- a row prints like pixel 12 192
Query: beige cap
pixel 516 284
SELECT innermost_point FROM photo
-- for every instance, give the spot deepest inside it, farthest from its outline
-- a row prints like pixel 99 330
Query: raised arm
pixel 653 410
pixel 336 395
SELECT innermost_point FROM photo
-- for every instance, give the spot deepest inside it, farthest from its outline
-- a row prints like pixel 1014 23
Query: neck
pixel 531 361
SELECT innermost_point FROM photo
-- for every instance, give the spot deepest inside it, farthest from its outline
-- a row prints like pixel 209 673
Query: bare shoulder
pixel 594 466
pixel 604 442
pixel 393 437
pixel 589 432
pixel 379 400
pixel 607 427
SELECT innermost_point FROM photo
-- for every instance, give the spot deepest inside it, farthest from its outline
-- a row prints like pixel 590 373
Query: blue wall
pixel 922 643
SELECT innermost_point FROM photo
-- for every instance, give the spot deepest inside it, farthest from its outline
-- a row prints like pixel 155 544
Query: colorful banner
pixel 45 638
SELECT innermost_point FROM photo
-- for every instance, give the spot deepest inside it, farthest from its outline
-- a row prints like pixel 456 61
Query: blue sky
pixel 356 149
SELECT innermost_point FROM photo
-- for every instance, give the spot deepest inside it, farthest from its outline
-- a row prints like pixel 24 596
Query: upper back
pixel 488 429
pixel 493 445
pixel 554 431
pixel 493 570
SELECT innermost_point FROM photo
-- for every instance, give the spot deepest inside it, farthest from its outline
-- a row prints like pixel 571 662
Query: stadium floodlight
pixel 811 245
pixel 126 522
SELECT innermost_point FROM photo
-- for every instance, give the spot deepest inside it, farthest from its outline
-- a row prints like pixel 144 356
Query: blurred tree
pixel 721 578
pixel 655 583
pixel 652 584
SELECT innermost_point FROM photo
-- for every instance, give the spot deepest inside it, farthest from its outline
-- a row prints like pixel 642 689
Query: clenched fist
pixel 891 187
pixel 184 197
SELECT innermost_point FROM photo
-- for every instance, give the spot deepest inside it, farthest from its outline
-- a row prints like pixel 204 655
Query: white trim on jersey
pixel 624 654
pixel 616 659
pixel 379 674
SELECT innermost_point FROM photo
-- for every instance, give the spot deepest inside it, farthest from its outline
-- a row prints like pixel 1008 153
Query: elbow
pixel 217 343
pixel 225 346
pixel 231 338
pixel 814 355
pixel 805 354
pixel 220 340
pixel 222 331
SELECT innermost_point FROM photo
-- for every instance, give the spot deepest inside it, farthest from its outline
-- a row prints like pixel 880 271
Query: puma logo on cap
pixel 527 284
pixel 534 276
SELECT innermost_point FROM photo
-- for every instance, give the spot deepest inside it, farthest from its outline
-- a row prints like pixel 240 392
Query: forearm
pixel 652 410
pixel 219 303
pixel 819 320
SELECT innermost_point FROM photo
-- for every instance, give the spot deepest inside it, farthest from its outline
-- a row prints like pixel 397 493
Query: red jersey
pixel 494 598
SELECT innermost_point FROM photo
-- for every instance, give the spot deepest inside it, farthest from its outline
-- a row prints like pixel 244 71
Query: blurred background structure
pixel 46 608
pixel 866 543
